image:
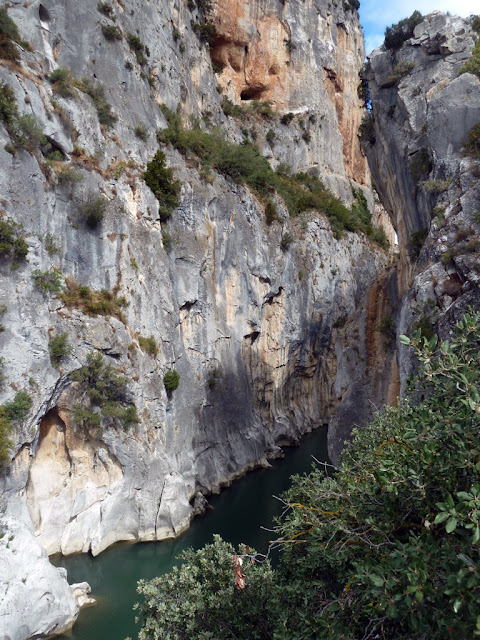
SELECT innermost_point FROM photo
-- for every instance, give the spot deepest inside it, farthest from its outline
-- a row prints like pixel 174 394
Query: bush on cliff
pixel 11 413
pixel 471 146
pixel 472 65
pixel 106 390
pixel 388 547
pixel 398 33
pixel 9 36
pixel 246 165
pixel 163 185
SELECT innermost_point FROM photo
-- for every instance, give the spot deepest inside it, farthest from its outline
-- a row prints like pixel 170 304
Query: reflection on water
pixel 238 514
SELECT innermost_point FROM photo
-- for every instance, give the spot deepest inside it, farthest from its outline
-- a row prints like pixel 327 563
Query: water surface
pixel 238 514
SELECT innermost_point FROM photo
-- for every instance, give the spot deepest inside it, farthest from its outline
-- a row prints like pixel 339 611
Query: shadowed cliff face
pixel 268 339
pixel 423 109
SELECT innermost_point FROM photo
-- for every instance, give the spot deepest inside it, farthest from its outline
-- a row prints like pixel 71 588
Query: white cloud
pixel 375 15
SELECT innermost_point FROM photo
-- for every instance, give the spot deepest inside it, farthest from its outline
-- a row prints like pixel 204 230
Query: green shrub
pixel 245 165
pixel 69 175
pixel 270 137
pixel 10 413
pixel 62 82
pixel 351 5
pixel 400 70
pixel 50 281
pixel 160 180
pixel 205 32
pixel 421 165
pixel 12 244
pixel 471 146
pixel 92 302
pixel 9 35
pixel 106 390
pixel 366 130
pixel 287 118
pixel 137 46
pixel 111 32
pixel 92 209
pixel 387 329
pixel 271 213
pixel 286 241
pixel 141 131
pixel 231 109
pixel 149 345
pixel 26 133
pixel 435 186
pixel 167 241
pixel 106 8
pixel 97 94
pixel 50 244
pixel 17 409
pixel 171 380
pixel 417 240
pixel 473 63
pixel 59 347
pixel 199 599
pixel 398 33
pixel 475 23
pixel 8 105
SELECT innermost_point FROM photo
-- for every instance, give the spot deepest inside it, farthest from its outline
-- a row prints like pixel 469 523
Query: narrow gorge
pixel 191 277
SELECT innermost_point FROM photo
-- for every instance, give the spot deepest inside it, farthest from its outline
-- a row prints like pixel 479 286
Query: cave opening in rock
pixel 251 93
pixel 43 13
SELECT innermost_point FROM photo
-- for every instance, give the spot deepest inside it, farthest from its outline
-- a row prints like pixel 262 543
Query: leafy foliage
pixel 161 181
pixel 11 413
pixel 97 94
pixel 200 599
pixel 111 32
pixel 106 390
pixel 9 36
pixel 24 131
pixel 8 105
pixel 472 65
pixel 398 33
pixel 171 380
pixel 388 547
pixel 245 165
pixel 59 347
pixel 471 146
pixel 12 244
pixel 92 209
pixel 400 70
pixel 149 345
pixel 62 82
pixel 49 281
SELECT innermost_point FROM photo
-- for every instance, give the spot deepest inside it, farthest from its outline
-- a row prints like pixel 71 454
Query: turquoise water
pixel 238 514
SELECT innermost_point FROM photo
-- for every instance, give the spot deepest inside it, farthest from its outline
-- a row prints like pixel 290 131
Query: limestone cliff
pixel 268 337
pixel 424 107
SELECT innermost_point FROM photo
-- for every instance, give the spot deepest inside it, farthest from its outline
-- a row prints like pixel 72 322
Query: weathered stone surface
pixel 433 203
pixel 35 599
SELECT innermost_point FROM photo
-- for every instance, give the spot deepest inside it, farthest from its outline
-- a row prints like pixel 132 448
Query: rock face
pixel 36 600
pixel 256 330
pixel 423 110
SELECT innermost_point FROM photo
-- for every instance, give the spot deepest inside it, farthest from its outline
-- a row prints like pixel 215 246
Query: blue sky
pixel 375 15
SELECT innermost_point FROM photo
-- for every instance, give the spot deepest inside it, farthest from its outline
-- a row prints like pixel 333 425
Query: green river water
pixel 238 514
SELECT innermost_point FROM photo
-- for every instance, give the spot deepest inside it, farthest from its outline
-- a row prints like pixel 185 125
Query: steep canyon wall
pixel 268 339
